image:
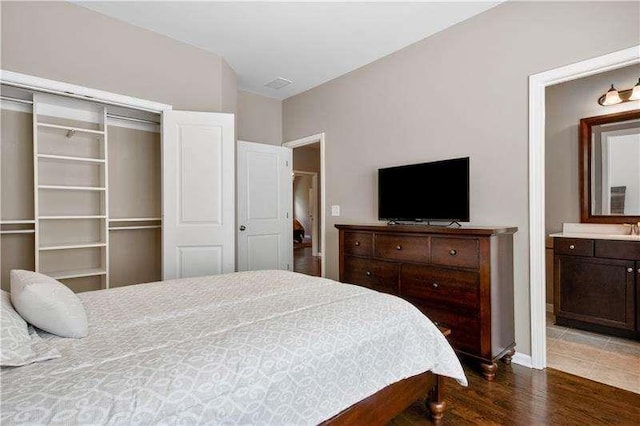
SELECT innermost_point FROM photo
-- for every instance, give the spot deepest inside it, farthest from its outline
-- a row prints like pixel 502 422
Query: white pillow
pixel 19 347
pixel 48 304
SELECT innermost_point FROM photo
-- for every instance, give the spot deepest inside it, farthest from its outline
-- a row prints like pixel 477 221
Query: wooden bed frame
pixel 384 405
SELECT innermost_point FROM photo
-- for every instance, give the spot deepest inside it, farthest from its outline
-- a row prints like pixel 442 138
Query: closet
pixel 102 190
pixel 81 191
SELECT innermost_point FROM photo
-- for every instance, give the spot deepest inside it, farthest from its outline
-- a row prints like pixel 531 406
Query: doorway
pixel 537 110
pixel 581 349
pixel 308 227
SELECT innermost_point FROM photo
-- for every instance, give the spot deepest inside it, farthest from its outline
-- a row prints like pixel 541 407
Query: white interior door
pixel 265 224
pixel 198 194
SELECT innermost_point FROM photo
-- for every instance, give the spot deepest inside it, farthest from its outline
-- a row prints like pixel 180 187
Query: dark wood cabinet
pixel 461 278
pixel 597 285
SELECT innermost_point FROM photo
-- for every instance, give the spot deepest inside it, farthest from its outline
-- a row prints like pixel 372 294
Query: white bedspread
pixel 269 347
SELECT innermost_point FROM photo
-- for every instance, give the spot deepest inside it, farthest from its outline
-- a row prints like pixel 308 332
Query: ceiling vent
pixel 278 83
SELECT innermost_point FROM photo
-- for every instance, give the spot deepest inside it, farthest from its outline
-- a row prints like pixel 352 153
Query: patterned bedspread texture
pixel 266 347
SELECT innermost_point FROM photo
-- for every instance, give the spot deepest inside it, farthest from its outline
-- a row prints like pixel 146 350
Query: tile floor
pixel 610 360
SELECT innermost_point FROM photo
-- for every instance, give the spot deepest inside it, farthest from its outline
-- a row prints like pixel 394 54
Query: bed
pixel 265 347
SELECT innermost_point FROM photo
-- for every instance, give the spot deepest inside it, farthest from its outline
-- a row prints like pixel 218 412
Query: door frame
pixel 296 143
pixel 537 85
pixel 314 212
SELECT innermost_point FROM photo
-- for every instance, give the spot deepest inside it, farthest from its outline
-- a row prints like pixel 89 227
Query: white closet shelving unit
pixel 71 181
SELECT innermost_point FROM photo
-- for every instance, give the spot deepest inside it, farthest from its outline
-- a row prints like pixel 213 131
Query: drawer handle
pixel 435 285
pixel 368 273
pixel 571 247
pixel 452 252
pixel 357 243
pixel 631 270
pixel 398 247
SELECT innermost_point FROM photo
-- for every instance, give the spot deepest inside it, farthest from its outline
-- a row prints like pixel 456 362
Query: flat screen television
pixel 435 191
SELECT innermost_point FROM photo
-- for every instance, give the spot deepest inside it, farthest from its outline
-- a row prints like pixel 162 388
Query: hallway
pixel 305 263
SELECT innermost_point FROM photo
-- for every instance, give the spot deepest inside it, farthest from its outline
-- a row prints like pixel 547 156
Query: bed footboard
pixel 384 405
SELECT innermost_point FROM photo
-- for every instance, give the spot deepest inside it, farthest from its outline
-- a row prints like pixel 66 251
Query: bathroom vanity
pixel 597 279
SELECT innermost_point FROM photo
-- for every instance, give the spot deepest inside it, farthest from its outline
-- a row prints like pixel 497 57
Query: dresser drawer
pixel 627 250
pixel 402 247
pixel 457 252
pixel 358 243
pixel 374 274
pixel 450 287
pixel 465 329
pixel 573 246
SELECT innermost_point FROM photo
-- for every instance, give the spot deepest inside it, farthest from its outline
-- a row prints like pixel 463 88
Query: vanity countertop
pixel 596 231
pixel 596 236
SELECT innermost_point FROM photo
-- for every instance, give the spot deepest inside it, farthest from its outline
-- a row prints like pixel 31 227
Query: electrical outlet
pixel 335 210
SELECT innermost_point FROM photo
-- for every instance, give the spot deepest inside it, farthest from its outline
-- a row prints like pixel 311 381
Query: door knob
pixel 571 247
pixel 398 247
pixel 435 285
pixel 242 227
pixel 357 243
pixel 368 273
pixel 452 252
pixel 629 269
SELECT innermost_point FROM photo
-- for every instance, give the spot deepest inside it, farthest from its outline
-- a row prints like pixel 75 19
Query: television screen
pixel 428 191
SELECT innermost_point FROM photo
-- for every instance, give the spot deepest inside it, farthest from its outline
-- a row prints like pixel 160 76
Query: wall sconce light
pixel 613 96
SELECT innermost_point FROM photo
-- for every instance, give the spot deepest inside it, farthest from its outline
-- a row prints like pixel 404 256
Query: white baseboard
pixel 522 359
pixel 549 307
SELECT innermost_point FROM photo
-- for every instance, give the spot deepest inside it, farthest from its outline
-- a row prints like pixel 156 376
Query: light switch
pixel 335 210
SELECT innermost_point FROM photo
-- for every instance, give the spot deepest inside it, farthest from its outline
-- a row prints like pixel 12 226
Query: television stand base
pixel 452 224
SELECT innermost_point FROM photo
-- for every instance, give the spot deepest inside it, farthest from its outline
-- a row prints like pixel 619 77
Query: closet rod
pixel 22 101
pixel 138 120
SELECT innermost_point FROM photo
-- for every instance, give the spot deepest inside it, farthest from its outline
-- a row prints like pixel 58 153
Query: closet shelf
pixel 19 231
pixel 72 246
pixel 72 188
pixel 16 222
pixel 70 129
pixel 125 228
pixel 135 219
pixel 71 159
pixel 78 273
pixel 70 217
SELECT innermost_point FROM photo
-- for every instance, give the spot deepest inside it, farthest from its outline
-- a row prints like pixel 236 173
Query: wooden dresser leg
pixel 435 403
pixel 507 357
pixel 489 370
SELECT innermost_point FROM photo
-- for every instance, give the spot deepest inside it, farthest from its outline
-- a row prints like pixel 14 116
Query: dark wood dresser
pixel 597 285
pixel 461 278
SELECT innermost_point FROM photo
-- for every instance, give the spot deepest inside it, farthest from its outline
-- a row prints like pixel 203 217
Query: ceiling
pixel 307 43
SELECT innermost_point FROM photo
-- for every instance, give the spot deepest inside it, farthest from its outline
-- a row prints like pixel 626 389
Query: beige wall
pixel 463 91
pixel 259 119
pixel 567 103
pixel 65 42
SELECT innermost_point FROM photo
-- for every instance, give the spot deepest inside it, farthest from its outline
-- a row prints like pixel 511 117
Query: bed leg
pixel 435 403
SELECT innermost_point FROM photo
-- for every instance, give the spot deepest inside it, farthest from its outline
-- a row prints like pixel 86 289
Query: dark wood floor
pixel 524 396
pixel 305 263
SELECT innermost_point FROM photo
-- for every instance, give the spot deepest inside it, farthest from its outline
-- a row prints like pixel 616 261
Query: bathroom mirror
pixel 610 168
